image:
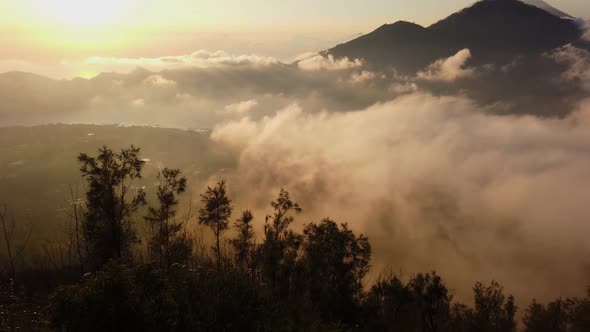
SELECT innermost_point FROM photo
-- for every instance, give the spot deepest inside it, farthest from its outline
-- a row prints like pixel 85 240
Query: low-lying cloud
pixel 196 90
pixel 436 184
pixel 450 69
pixel 578 64
pixel 321 62
pixel 198 59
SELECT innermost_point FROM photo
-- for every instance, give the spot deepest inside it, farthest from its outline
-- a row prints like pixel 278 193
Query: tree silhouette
pixel 422 304
pixel 280 247
pixel 390 306
pixel 493 311
pixel 215 214
pixel 244 242
pixel 111 201
pixel 335 262
pixel 550 318
pixel 432 299
pixel 167 246
pixel 8 224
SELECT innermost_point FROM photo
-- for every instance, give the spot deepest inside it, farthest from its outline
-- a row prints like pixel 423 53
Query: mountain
pixel 496 31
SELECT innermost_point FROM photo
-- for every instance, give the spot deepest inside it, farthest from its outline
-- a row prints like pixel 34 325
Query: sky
pixel 48 35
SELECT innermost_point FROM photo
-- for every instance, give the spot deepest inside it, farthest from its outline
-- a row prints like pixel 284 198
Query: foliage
pixel 280 249
pixel 422 304
pixel 216 213
pixel 561 315
pixel 167 244
pixel 493 311
pixel 244 243
pixel 312 280
pixel 111 201
pixel 335 262
pixel 142 298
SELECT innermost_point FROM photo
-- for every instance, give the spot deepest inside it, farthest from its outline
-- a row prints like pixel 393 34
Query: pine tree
pixel 244 242
pixel 216 213
pixel 111 201
pixel 167 246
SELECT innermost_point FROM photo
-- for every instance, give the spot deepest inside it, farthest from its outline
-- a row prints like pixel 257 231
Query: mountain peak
pixel 496 31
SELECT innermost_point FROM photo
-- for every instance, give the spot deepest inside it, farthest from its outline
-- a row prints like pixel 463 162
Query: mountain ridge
pixel 496 31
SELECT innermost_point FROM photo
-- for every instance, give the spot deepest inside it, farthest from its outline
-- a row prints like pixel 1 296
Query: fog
pixel 451 169
pixel 196 90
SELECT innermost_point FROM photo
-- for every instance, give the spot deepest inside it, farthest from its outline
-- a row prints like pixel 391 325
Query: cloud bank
pixel 474 177
pixel 198 59
pixel 436 184
pixel 320 62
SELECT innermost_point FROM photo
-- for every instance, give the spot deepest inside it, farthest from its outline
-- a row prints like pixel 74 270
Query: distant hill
pixel 496 31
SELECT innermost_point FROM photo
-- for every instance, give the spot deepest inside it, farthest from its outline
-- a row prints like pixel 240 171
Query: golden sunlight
pixel 82 12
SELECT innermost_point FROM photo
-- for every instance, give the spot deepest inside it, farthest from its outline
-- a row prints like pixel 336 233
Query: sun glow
pixel 82 12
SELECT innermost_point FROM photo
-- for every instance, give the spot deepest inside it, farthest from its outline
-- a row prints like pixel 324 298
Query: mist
pixel 435 183
pixel 451 169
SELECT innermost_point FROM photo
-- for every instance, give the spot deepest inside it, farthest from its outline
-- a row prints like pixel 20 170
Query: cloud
pixel 365 76
pixel 198 59
pixel 138 103
pixel 242 107
pixel 450 69
pixel 320 62
pixel 425 169
pixel 402 88
pixel 578 62
pixel 158 81
pixel 585 25
pixel 436 184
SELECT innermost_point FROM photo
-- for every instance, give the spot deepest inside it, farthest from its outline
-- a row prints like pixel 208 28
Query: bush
pixel 121 298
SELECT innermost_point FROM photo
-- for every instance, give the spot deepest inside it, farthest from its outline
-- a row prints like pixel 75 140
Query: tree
pixel 8 232
pixel 433 300
pixel 215 214
pixel 167 245
pixel 111 201
pixel 550 318
pixel 280 247
pixel 493 311
pixel 389 306
pixel 460 318
pixel 335 261
pixel 244 242
pixel 77 238
pixel 422 304
pixel 579 313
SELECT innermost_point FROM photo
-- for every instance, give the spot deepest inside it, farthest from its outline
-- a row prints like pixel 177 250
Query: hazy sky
pixel 49 32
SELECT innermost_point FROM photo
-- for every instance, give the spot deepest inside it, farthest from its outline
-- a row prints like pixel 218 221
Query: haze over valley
pixel 457 143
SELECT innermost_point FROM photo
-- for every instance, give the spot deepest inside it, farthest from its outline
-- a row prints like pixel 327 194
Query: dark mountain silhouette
pixel 496 31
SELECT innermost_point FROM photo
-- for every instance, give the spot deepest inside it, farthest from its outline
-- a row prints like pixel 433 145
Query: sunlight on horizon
pixel 71 31
pixel 75 13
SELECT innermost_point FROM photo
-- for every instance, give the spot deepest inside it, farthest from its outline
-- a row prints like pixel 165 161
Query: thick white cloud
pixel 449 69
pixel 198 59
pixel 242 107
pixel 320 62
